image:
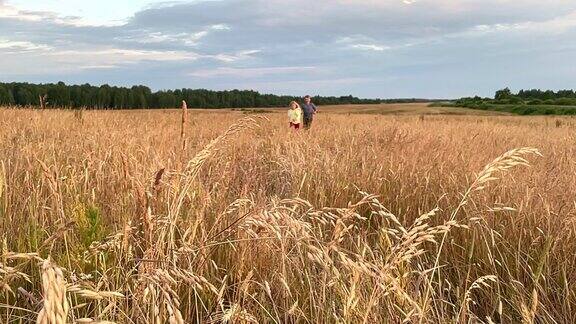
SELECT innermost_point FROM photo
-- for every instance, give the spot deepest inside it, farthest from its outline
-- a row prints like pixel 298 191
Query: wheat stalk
pixel 55 304
pixel 501 164
pixel 194 165
pixel 482 282
pixel 319 257
pixel 183 124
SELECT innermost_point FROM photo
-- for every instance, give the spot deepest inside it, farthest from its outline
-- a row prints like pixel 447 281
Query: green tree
pixel 25 96
pixel 5 96
pixel 503 94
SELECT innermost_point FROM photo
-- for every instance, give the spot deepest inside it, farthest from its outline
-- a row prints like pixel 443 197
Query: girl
pixel 294 115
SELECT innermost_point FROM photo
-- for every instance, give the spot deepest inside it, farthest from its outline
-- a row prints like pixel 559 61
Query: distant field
pixel 381 109
pixel 407 109
pixel 376 215
pixel 516 109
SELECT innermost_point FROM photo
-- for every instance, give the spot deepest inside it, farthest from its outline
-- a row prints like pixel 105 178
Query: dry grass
pixel 409 109
pixel 111 218
pixel 395 109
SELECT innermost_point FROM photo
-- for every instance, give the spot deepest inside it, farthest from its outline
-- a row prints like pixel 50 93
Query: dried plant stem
pixel 55 304
pixel 501 164
pixel 183 124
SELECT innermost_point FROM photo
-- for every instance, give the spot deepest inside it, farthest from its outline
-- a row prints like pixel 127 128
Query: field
pixel 398 213
pixel 517 109
pixel 393 109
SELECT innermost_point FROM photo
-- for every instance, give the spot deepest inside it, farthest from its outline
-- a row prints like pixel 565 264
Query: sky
pixel 367 48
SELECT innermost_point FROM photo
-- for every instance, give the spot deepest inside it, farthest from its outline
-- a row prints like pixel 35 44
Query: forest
pixel 61 95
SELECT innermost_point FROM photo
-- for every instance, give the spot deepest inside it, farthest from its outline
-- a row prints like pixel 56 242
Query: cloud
pixel 238 56
pixel 186 38
pixel 373 47
pixel 556 25
pixel 9 12
pixel 115 56
pixel 361 42
pixel 251 72
pixel 21 46
pixel 13 13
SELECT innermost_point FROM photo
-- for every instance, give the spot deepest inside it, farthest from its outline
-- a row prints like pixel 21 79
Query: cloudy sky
pixel 368 48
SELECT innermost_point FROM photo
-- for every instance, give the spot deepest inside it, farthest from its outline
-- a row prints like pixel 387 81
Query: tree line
pixel 61 95
pixel 524 102
pixel 536 97
pixel 533 97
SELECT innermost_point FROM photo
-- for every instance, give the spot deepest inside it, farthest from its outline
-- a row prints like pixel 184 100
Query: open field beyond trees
pixel 377 217
pixel 419 109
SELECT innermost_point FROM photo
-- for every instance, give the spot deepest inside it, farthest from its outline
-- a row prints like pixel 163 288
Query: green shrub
pixel 515 101
pixel 565 102
pixel 91 229
pixel 535 102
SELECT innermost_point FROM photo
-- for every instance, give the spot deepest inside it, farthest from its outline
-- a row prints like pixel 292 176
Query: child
pixel 294 115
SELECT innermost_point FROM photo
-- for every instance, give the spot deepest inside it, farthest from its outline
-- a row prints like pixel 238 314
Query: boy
pixel 309 109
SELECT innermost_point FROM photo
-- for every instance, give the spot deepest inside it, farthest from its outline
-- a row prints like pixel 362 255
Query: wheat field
pixel 227 217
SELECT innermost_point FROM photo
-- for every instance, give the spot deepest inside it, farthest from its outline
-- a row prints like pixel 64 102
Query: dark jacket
pixel 308 110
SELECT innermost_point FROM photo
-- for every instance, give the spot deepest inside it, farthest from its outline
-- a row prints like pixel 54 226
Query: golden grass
pixel 408 109
pixel 388 109
pixel 366 218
